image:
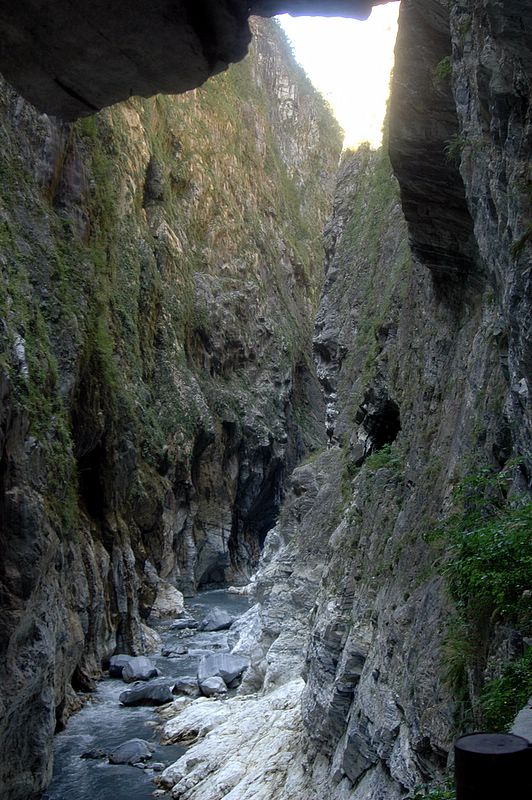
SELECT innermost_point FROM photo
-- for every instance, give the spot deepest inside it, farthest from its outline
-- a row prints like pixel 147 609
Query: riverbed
pixel 104 723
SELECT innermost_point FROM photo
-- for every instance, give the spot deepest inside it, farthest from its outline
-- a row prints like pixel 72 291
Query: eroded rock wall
pixel 422 343
pixel 160 267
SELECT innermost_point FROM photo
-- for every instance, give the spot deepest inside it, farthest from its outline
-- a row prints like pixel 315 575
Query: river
pixel 104 723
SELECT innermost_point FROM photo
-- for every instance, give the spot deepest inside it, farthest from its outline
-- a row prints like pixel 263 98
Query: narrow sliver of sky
pixel 349 62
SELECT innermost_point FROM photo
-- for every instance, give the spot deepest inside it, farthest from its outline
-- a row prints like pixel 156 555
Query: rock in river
pixel 187 684
pixel 212 686
pixel 117 664
pixel 139 668
pixel 131 752
pixel 223 665
pixel 216 620
pixel 182 624
pixel 147 694
pixel 173 651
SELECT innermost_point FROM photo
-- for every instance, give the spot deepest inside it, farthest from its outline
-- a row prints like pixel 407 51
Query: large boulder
pixel 216 620
pixel 117 664
pixel 182 624
pixel 212 686
pixel 147 694
pixel 151 641
pixel 168 602
pixel 187 684
pixel 223 665
pixel 131 752
pixel 139 668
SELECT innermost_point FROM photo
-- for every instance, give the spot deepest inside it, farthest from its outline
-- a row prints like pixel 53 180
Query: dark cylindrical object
pixel 493 766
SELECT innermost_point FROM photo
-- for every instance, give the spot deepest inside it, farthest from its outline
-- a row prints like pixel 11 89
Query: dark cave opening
pixel 380 417
pixel 91 481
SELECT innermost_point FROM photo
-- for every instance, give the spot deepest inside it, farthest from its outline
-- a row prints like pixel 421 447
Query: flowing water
pixel 104 723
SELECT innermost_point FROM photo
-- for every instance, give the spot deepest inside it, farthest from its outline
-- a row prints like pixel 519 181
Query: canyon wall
pixel 425 364
pixel 379 583
pixel 160 269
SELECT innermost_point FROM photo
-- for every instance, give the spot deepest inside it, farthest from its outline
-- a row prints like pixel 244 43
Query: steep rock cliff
pixel 160 267
pixel 422 345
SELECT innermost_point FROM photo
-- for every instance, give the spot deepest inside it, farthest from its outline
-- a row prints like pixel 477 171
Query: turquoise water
pixel 104 723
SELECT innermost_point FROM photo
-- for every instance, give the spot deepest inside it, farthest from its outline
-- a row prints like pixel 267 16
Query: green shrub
pixel 443 68
pixel 387 456
pixel 491 550
pixel 501 699
pixel 440 792
pixel 489 574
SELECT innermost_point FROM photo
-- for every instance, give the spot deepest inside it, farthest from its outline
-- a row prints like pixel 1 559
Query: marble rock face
pixel 236 739
pixel 169 601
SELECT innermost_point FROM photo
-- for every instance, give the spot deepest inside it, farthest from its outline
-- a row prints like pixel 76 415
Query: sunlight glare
pixel 349 62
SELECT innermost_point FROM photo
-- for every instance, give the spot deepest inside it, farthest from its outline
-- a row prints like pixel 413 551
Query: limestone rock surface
pixel 248 752
pixel 169 601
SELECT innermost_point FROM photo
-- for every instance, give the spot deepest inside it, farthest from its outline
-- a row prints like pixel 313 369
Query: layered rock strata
pixel 160 264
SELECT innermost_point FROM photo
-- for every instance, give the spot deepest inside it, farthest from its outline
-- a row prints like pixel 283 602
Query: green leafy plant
pixel 454 147
pixel 440 792
pixel 489 574
pixel 491 549
pixel 387 456
pixel 501 699
pixel 443 68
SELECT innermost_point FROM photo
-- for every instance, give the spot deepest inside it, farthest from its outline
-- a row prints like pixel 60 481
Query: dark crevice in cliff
pixel 379 416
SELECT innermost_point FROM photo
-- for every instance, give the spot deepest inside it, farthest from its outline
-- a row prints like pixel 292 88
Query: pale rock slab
pixel 169 601
pixel 245 748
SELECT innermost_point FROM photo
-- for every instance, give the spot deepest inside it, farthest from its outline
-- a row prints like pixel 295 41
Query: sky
pixel 349 62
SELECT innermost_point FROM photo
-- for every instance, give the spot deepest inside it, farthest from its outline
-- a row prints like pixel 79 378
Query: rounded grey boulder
pixel 212 686
pixel 152 694
pixel 139 668
pixel 132 752
pixel 224 666
pixel 216 620
pixel 187 684
pixel 117 664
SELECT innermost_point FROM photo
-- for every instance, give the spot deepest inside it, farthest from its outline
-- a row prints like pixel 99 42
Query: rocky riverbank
pixel 113 745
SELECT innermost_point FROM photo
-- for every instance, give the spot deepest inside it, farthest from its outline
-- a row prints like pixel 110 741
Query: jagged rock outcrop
pixel 78 58
pixel 160 264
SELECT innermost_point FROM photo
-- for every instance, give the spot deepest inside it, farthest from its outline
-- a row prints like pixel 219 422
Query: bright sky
pixel 349 61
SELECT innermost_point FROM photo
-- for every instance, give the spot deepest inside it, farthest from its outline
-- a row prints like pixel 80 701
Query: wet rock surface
pixel 153 694
pixel 131 752
pixel 216 620
pixel 129 734
pixel 139 668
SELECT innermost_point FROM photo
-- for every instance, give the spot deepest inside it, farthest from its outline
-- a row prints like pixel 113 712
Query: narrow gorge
pixel 234 356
